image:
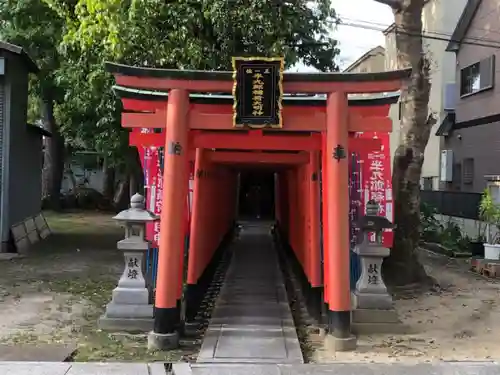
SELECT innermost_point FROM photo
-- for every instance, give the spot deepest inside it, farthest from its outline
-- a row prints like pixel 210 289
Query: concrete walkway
pixel 252 321
pixel 439 368
pixel 81 368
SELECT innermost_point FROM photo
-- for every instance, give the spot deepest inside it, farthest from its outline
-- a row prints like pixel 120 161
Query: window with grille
pixel 468 171
pixel 427 183
pixel 477 77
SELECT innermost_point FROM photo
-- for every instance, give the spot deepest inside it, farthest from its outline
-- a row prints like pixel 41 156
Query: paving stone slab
pixel 262 310
pixel 34 368
pixel 440 368
pixel 108 369
pixel 248 345
pixel 181 368
pixel 252 321
pixel 240 296
pixel 240 301
pixel 35 353
pixel 485 368
pixel 158 369
pixel 235 369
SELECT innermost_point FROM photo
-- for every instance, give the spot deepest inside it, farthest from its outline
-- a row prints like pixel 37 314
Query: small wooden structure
pixel 20 144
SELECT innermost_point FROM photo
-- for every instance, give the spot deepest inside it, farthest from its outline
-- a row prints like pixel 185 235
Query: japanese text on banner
pixel 377 180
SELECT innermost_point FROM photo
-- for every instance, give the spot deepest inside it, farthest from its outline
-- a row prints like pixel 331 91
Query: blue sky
pixel 355 41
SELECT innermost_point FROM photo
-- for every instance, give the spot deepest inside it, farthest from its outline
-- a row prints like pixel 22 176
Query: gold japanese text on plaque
pixel 258 92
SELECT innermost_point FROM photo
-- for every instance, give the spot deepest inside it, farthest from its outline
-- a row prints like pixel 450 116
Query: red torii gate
pixel 312 130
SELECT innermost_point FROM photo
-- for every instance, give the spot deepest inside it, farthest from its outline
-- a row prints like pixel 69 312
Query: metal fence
pixel 453 203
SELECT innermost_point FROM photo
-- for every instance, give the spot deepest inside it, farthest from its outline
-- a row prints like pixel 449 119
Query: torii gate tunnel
pixel 192 113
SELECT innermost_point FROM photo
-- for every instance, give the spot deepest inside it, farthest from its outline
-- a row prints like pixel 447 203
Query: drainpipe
pixel 4 190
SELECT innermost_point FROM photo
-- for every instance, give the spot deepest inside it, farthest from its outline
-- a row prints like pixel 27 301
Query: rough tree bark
pixel 134 182
pixel 402 267
pixel 53 170
pixel 109 180
pixel 136 172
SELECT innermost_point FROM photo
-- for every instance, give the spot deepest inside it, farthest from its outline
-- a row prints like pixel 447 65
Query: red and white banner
pixel 153 182
pixel 376 180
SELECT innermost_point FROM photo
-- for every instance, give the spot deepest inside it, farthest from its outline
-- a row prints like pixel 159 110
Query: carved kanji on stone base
pixel 371 292
pixel 373 306
pixel 130 308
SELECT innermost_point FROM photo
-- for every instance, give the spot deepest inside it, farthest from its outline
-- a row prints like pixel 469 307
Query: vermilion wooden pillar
pixel 299 220
pixel 185 231
pixel 314 212
pixel 314 234
pixel 305 221
pixel 324 198
pixel 165 334
pixel 293 213
pixel 195 246
pixel 339 294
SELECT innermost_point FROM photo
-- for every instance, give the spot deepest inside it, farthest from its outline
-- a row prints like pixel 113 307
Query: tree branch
pixel 394 4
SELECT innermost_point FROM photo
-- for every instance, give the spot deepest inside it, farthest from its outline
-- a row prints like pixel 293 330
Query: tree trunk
pixel 133 187
pixel 135 171
pixel 53 169
pixel 72 178
pixel 121 199
pixel 109 181
pixel 402 267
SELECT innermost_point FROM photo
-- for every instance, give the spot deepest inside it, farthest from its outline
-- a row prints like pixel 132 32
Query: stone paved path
pixel 252 321
pixel 67 368
pixel 443 368
pixel 58 368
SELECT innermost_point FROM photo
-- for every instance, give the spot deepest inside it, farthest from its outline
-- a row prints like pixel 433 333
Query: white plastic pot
pixel 491 251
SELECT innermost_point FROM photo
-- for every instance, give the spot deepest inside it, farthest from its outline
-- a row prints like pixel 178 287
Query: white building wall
pixel 439 20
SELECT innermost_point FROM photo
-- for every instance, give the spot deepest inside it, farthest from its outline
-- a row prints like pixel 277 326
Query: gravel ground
pixel 58 292
pixel 457 321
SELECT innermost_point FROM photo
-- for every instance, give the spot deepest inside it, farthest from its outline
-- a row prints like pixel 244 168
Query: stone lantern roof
pixel 137 212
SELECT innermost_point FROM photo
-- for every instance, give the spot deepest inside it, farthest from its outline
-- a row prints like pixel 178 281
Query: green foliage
pixel 449 235
pixel 489 211
pixel 72 39
pixel 430 226
pixel 33 25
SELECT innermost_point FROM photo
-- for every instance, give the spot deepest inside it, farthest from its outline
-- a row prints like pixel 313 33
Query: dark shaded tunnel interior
pixel 256 198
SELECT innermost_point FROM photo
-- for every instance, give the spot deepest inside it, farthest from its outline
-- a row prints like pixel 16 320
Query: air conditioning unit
pixel 450 96
pixel 446 174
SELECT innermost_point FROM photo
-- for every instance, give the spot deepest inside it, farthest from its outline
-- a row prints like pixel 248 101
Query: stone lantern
pixel 130 308
pixel 371 292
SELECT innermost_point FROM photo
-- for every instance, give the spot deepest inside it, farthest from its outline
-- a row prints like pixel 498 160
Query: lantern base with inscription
pixel 373 307
pixel 371 292
pixel 130 308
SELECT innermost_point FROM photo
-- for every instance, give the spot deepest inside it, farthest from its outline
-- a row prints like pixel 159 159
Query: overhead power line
pixel 435 32
pixel 482 42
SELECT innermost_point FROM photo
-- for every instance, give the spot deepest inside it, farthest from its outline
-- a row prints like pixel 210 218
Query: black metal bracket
pixel 339 153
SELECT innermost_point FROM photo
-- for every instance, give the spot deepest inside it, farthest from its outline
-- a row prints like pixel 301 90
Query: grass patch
pixel 79 266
